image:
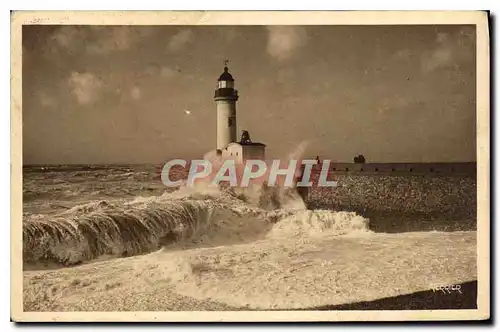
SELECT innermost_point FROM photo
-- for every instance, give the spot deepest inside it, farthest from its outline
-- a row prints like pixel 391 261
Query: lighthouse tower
pixel 225 98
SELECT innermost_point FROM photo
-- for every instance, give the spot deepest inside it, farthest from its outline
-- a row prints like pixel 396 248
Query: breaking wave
pixel 145 224
pixel 319 222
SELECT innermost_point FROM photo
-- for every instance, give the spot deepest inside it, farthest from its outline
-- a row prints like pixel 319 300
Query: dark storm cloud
pixel 96 94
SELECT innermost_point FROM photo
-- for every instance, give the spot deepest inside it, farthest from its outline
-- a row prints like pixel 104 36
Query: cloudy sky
pixel 120 94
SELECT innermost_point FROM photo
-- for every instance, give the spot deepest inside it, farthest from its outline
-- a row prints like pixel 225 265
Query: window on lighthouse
pixel 225 84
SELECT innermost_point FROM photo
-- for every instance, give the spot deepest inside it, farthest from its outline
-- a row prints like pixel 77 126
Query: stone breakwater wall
pixel 446 195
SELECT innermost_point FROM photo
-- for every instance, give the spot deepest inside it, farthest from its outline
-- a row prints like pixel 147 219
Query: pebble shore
pixel 442 197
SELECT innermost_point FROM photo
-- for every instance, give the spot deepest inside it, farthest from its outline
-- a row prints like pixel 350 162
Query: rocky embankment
pixel 410 197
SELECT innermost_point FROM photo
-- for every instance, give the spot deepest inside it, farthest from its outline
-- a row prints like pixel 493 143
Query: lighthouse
pixel 227 144
pixel 225 98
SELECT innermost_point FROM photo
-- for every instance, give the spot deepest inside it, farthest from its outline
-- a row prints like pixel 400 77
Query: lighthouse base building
pixel 226 97
pixel 240 152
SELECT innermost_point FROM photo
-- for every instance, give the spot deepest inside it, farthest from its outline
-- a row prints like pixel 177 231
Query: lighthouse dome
pixel 225 76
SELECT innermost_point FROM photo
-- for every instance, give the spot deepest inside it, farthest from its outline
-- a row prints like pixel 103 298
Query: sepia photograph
pixel 271 166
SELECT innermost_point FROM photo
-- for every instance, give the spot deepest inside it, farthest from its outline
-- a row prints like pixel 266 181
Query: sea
pixel 113 237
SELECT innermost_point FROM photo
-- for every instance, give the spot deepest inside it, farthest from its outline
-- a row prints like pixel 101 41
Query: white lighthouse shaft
pixel 225 98
pixel 226 122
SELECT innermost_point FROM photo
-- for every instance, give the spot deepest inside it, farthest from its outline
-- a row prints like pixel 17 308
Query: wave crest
pixel 319 222
pixel 81 237
pixel 186 217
